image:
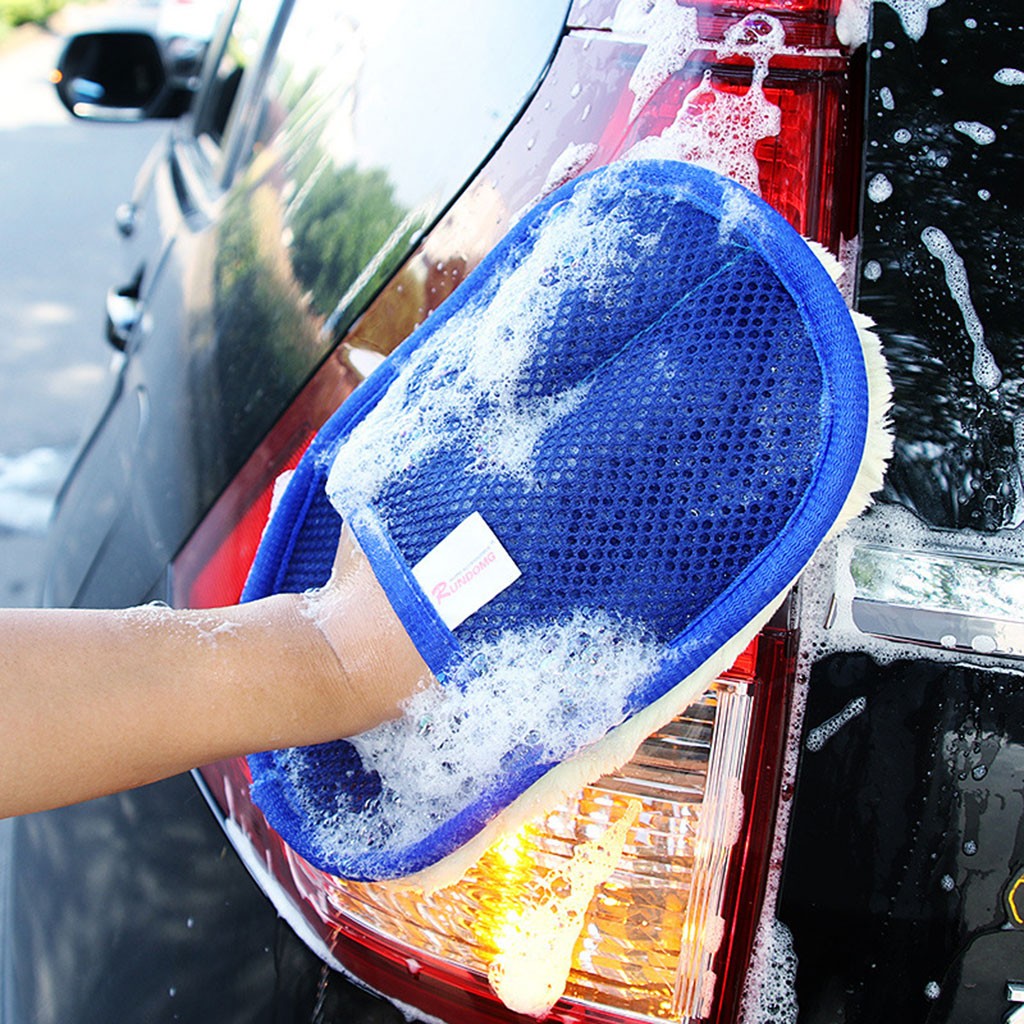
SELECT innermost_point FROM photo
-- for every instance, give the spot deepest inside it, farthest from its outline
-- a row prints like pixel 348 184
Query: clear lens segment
pixel 939 599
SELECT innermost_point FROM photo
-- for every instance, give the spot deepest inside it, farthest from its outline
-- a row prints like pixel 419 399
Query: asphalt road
pixel 60 181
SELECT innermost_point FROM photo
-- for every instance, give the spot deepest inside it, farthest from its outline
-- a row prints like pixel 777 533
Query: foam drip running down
pixel 774 963
pixel 536 944
pixel 713 129
pixel 821 734
pixel 516 694
pixel 985 370
pixel 913 15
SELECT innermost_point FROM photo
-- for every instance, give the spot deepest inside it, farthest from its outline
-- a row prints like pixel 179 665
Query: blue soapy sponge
pixel 655 398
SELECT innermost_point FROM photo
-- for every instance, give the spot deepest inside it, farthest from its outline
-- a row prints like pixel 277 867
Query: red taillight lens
pixel 667 935
pixel 211 569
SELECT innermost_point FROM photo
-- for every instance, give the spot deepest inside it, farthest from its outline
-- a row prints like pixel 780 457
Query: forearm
pixel 94 702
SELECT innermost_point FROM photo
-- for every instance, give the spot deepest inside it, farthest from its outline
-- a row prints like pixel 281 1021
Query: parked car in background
pixel 835 831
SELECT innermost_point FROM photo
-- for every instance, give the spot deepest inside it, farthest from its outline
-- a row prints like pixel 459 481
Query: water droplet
pixel 879 188
pixel 970 848
pixel 932 990
pixel 976 132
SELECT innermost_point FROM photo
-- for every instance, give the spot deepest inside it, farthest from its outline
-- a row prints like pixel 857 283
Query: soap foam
pixel 976 131
pixel 1009 76
pixel 771 999
pixel 195 625
pixel 913 15
pixel 671 35
pixel 820 735
pixel 879 189
pixel 852 23
pixel 468 392
pixel 713 129
pixel 540 693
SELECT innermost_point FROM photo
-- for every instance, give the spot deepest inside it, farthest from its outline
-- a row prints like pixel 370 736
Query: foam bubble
pixel 913 15
pixel 775 982
pixel 879 188
pixel 976 132
pixel 819 736
pixel 1009 76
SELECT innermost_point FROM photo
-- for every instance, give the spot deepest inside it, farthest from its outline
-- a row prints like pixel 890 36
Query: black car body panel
pixel 903 797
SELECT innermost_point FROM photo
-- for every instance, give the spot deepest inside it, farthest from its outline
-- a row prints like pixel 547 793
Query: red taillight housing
pixel 668 935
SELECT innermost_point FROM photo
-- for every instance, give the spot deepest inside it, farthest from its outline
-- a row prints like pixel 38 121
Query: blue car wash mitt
pixel 585 482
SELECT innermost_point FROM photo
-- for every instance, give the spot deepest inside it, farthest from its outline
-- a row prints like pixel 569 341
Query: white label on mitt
pixel 466 570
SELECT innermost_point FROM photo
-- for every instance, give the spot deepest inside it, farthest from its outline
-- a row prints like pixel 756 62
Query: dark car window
pixel 233 57
pixel 943 244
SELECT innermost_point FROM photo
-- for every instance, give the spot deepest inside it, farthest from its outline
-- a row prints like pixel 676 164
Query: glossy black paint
pixel 948 138
pixel 907 835
pixel 906 843
pixel 134 909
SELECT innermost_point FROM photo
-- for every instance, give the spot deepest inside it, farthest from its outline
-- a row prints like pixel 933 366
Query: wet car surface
pixel 878 870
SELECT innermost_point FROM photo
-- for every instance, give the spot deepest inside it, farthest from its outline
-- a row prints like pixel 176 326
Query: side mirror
pixel 116 76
